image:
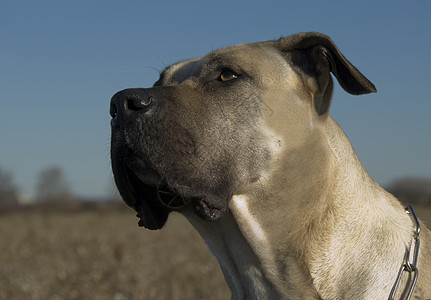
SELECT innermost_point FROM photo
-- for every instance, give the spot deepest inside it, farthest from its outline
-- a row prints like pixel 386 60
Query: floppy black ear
pixel 324 58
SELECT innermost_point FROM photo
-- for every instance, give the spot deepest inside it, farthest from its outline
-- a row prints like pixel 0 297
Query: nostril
pixel 128 102
pixel 139 102
pixel 148 101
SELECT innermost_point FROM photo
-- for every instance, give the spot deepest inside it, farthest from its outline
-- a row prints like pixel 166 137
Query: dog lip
pixel 140 196
pixel 165 196
pixel 148 177
pixel 172 199
pixel 149 194
pixel 144 173
pixel 206 210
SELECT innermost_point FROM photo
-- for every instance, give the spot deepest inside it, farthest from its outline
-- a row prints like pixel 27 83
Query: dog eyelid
pixel 227 75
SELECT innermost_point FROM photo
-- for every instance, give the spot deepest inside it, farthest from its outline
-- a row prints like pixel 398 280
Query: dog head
pixel 200 133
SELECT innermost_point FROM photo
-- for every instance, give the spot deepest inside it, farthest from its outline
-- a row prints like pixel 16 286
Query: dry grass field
pixel 104 255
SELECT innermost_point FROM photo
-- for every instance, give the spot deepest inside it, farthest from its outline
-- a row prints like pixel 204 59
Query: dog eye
pixel 227 76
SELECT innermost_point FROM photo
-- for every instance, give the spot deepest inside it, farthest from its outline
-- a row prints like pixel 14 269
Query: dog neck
pixel 241 267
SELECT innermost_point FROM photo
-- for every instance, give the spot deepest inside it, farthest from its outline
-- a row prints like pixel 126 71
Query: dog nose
pixel 130 101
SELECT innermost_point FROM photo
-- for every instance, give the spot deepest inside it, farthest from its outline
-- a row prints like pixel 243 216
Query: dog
pixel 240 142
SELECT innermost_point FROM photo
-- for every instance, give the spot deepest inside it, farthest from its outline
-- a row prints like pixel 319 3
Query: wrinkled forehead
pixel 251 58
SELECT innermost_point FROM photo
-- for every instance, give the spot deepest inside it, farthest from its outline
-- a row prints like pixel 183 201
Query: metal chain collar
pixel 409 265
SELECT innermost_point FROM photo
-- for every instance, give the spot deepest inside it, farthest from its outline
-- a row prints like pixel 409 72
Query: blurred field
pixel 424 213
pixel 102 254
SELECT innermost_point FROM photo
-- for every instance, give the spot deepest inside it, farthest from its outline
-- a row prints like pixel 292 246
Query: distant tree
pixel 8 190
pixel 52 185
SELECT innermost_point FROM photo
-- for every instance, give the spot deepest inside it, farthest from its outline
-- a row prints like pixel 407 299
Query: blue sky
pixel 61 61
